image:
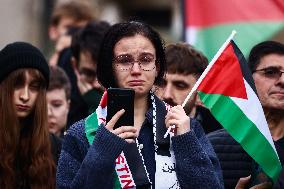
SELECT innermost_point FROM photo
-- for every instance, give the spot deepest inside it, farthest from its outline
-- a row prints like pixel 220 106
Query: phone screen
pixel 117 99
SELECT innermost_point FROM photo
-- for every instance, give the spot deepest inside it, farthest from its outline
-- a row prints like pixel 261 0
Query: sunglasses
pixel 271 72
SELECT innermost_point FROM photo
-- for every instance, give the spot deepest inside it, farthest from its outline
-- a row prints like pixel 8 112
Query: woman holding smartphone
pixel 97 155
pixel 25 160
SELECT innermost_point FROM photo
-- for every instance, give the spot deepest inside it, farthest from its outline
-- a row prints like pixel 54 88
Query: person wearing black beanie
pixel 22 55
pixel 26 160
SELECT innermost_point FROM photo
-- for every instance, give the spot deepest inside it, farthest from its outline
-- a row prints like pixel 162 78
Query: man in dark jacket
pixel 266 62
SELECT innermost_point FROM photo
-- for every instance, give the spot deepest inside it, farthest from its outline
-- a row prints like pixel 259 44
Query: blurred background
pixel 28 20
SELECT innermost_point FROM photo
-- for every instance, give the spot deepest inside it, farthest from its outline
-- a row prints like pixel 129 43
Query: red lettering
pixel 125 168
pixel 119 159
pixel 128 184
pixel 124 176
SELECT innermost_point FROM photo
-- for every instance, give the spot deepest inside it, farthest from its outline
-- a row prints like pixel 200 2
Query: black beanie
pixel 22 55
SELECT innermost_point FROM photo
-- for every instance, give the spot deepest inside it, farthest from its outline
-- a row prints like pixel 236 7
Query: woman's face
pixel 134 64
pixel 58 108
pixel 25 95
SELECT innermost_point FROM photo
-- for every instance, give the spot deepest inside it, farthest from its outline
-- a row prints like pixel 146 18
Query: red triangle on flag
pixel 225 77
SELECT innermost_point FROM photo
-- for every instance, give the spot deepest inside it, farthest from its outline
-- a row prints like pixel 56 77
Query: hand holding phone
pixel 129 133
pixel 117 99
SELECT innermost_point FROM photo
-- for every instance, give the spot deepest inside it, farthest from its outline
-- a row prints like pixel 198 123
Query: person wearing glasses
pixel 266 62
pixel 79 61
pixel 136 156
pixel 85 48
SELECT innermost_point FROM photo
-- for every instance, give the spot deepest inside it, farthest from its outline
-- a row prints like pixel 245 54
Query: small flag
pixel 226 88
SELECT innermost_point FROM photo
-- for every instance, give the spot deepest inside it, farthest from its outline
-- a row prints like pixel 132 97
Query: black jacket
pixel 235 162
pixel 206 119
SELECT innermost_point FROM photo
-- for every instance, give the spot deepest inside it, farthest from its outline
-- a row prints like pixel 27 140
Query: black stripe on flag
pixel 244 66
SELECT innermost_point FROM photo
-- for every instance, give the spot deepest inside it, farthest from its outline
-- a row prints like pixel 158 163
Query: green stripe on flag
pixel 209 40
pixel 244 131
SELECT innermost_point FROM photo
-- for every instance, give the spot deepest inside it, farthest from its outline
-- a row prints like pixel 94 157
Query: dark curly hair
pixel 116 33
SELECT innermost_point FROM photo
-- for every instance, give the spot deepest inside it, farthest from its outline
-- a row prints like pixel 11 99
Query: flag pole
pixel 196 85
pixel 209 67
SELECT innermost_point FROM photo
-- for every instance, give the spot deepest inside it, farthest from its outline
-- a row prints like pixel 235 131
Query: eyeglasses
pixel 271 72
pixel 146 62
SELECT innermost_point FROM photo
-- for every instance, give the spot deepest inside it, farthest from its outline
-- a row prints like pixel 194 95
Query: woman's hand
pixel 177 116
pixel 129 133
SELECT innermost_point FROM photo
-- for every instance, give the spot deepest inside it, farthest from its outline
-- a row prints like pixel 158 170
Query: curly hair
pixel 26 158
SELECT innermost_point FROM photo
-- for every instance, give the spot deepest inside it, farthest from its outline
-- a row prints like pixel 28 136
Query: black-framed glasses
pixel 271 72
pixel 145 61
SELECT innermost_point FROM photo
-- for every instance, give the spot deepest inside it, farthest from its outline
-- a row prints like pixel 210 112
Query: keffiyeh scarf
pixel 129 165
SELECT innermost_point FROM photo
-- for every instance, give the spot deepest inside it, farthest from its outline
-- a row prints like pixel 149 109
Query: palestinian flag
pixel 227 89
pixel 207 22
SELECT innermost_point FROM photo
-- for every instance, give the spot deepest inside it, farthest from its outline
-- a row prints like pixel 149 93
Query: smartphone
pixel 117 99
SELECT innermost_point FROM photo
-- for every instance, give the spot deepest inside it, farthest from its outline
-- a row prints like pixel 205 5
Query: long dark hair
pixel 25 150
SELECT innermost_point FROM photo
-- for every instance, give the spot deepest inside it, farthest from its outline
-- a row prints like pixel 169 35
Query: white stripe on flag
pixel 253 110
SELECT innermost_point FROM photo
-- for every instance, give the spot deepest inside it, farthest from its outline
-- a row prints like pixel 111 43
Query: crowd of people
pixel 54 132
